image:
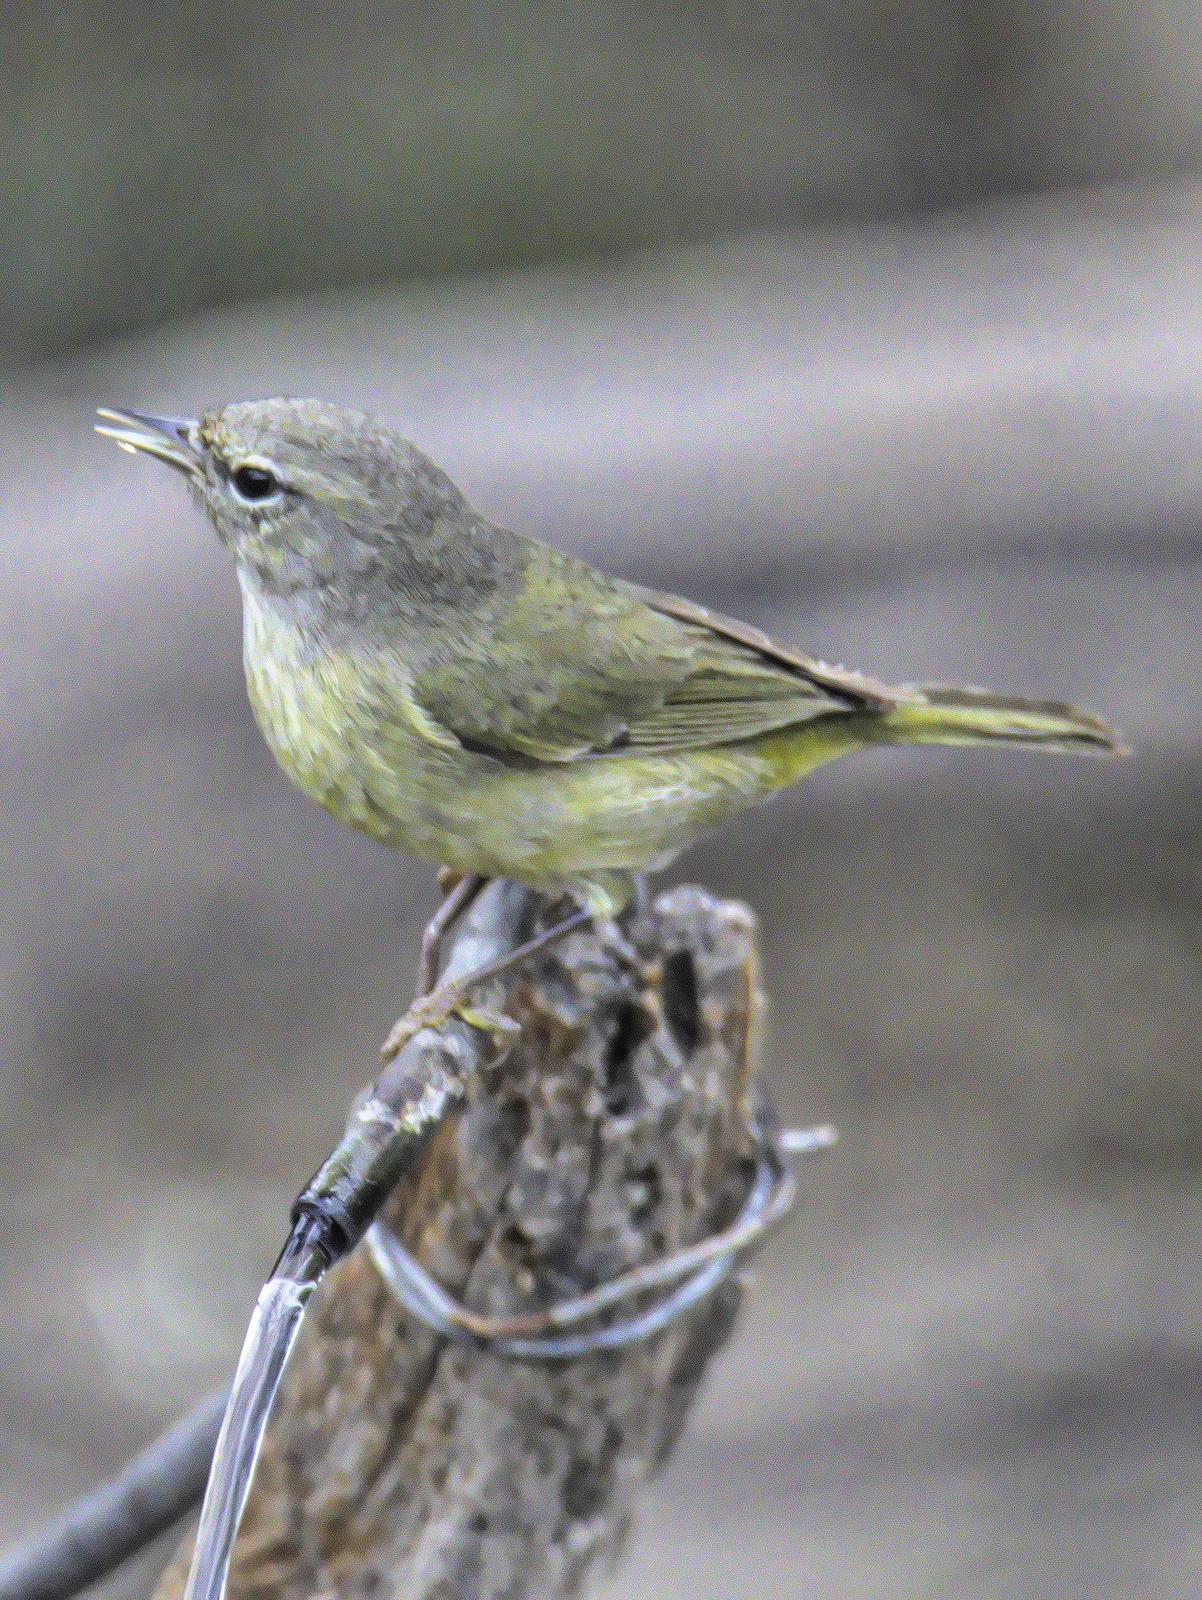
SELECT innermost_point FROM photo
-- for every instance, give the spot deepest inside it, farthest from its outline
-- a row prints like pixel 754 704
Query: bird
pixel 495 705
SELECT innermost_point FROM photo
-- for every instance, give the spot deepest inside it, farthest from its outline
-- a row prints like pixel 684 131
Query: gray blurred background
pixel 876 322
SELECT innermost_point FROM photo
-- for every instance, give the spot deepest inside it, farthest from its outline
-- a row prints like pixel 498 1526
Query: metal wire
pixel 533 1336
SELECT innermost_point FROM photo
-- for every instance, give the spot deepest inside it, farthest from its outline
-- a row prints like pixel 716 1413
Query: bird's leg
pixel 438 1003
pixel 459 896
pixel 532 947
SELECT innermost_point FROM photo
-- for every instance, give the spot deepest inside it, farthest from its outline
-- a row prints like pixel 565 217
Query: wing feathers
pixel 685 726
pixel 585 667
pixel 853 687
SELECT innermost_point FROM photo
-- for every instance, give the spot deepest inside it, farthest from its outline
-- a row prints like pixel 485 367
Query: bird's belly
pixel 365 758
pixel 540 825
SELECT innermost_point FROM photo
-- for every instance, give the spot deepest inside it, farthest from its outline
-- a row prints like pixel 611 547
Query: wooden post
pixel 618 1129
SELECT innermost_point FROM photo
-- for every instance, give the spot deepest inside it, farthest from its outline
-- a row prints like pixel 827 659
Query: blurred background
pixel 876 322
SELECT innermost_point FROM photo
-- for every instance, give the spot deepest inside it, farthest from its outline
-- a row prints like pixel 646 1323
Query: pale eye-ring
pixel 254 484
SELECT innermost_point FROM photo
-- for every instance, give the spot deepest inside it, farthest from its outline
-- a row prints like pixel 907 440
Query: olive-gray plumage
pixel 491 703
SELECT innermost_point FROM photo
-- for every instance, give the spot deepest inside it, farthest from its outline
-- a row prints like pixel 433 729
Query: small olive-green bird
pixel 491 704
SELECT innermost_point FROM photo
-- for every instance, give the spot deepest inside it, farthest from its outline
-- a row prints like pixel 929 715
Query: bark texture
pixel 617 1129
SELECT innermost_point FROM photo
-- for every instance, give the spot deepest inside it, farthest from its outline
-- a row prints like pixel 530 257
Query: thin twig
pixel 94 1536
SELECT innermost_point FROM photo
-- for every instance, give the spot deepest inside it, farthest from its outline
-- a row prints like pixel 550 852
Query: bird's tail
pixel 931 713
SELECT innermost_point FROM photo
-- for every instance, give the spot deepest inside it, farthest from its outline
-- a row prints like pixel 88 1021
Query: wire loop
pixel 688 1275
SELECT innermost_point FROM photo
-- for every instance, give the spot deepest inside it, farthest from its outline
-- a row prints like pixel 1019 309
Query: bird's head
pixel 301 492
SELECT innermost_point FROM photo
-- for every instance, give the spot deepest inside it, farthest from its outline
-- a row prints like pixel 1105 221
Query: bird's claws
pixel 435 1009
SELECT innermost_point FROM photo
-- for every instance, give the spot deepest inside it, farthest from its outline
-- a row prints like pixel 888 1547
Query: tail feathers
pixel 930 713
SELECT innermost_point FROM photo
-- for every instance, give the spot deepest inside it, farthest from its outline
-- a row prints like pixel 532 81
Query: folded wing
pixel 610 667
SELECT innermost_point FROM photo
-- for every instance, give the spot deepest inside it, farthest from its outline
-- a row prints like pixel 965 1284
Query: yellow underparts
pixel 354 741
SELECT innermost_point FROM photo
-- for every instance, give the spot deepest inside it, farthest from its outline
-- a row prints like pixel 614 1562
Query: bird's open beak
pixel 170 439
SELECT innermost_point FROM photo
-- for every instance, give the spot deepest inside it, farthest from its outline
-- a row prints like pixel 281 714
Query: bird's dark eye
pixel 254 483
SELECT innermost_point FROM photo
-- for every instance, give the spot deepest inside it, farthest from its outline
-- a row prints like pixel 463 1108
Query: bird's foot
pixel 449 998
pixel 435 1009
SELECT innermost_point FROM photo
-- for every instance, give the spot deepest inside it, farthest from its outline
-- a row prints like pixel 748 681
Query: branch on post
pixel 619 1128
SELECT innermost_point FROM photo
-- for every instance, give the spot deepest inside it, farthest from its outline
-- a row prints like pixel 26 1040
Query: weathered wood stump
pixel 619 1128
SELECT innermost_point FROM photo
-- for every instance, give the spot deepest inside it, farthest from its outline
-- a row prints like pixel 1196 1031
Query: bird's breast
pixel 314 707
